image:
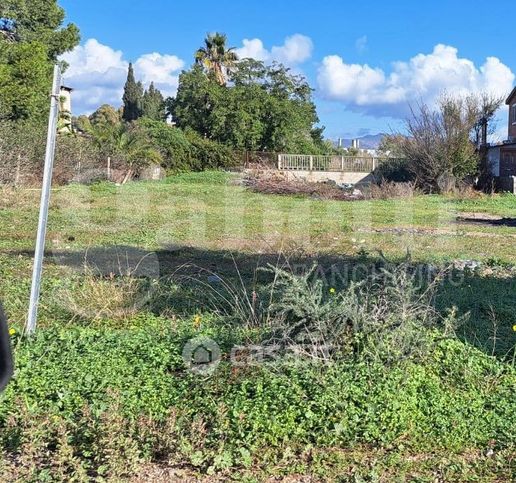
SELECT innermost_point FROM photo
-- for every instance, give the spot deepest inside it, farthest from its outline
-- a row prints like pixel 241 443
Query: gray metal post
pixel 43 208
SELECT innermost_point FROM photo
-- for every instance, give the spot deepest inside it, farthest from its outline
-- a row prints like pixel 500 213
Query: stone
pixel 152 173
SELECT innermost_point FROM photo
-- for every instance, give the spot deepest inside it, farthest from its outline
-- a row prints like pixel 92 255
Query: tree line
pixel 241 103
pixel 223 105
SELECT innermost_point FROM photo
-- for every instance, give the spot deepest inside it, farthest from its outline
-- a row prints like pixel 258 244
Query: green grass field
pixel 127 284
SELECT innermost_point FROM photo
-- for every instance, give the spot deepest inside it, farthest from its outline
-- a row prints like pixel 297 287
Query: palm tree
pixel 127 143
pixel 215 57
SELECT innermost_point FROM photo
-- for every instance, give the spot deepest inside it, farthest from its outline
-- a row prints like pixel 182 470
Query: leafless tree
pixel 441 144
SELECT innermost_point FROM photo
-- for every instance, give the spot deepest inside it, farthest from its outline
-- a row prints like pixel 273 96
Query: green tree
pixel 215 57
pixel 265 108
pixel 105 115
pixel 153 104
pixel 41 21
pixel 35 39
pixel 82 123
pixel 133 97
pixel 197 101
pixel 25 78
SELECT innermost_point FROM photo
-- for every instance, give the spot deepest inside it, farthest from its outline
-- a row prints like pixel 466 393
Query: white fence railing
pixel 346 164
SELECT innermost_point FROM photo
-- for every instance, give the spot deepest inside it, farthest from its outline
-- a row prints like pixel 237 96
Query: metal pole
pixel 43 208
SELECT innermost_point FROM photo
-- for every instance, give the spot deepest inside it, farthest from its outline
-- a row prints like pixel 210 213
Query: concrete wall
pixel 66 100
pixel 320 176
pixel 152 173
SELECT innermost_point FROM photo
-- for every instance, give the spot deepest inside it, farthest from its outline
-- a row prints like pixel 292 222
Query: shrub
pixel 389 315
pixel 394 170
pixel 389 189
pixel 175 148
pixel 186 151
pixel 207 154
pixel 78 158
pixel 22 148
pixel 22 153
pixel 441 143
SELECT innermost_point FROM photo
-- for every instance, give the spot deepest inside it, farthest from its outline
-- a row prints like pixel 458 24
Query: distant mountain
pixel 369 141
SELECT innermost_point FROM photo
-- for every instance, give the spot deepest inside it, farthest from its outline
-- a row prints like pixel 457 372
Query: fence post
pixel 17 176
pixel 311 163
pixel 374 163
pixel 45 198
pixel 279 161
pixel 342 163
pixel 109 168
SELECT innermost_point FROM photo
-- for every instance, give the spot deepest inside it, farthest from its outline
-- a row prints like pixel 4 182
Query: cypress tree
pixel 133 97
pixel 153 104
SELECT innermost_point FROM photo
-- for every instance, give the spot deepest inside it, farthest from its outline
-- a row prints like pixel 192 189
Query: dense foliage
pixel 105 115
pixel 153 104
pixel 22 149
pixel 25 78
pixel 100 401
pixel 185 150
pixel 31 44
pixel 41 21
pixel 265 108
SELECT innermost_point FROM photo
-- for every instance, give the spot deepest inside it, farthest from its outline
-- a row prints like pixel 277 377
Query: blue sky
pixel 366 60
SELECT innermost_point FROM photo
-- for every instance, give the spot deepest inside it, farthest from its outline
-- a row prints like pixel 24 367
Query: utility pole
pixel 45 198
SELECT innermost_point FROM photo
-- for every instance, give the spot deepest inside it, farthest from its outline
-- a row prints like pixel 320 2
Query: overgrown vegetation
pixel 101 402
pixel 341 358
pixel 441 144
pixel 366 366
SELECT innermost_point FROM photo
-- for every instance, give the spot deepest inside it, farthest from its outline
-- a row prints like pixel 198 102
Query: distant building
pixel 501 157
pixel 65 108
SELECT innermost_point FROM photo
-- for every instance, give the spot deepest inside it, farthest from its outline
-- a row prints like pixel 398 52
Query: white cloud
pixel 295 50
pixel 98 73
pixel 372 91
pixel 161 69
pixel 253 49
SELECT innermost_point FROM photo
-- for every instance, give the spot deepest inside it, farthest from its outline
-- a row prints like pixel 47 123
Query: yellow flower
pixel 332 290
pixel 12 331
pixel 197 320
pixel 514 328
